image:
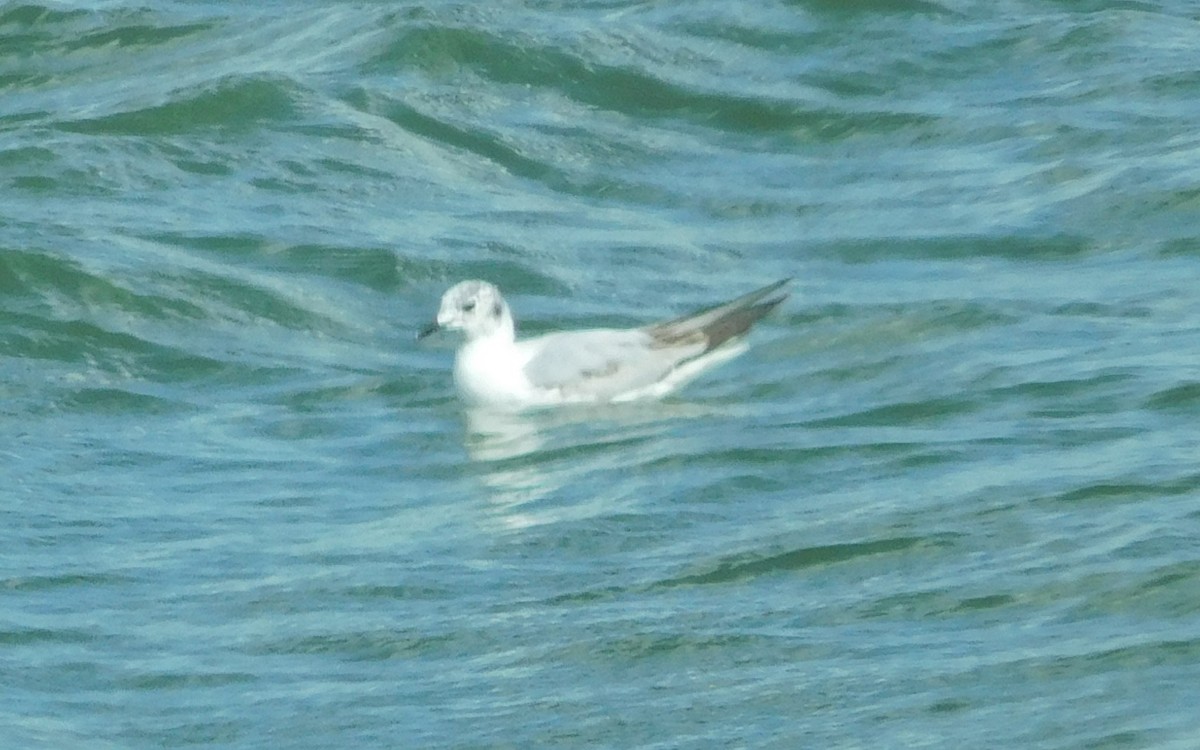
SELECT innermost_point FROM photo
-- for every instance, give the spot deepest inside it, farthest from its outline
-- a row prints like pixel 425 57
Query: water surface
pixel 948 499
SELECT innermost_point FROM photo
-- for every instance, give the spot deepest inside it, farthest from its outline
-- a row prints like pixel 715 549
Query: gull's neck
pixel 503 333
pixel 488 367
pixel 496 338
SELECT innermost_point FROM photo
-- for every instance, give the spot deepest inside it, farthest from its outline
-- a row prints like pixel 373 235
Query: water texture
pixel 949 498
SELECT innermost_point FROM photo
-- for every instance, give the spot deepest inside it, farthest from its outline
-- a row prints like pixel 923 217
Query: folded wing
pixel 604 364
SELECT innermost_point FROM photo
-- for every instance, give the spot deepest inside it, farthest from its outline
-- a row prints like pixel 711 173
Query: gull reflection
pixel 529 459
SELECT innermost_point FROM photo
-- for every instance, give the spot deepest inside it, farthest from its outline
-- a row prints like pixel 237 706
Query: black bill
pixel 429 330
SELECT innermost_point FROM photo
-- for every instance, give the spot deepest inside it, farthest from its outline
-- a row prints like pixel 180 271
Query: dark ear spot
pixel 497 310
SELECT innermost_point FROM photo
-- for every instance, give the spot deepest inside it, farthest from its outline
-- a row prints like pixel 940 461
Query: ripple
pixel 1179 399
pixel 1133 491
pixel 743 566
pixel 34 636
pixel 234 103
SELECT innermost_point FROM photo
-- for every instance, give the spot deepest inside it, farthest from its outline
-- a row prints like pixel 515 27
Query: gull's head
pixel 475 308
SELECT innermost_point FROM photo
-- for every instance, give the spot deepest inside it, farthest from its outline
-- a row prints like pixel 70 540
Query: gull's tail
pixel 716 325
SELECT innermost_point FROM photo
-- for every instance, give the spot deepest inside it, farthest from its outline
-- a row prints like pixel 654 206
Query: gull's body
pixel 492 368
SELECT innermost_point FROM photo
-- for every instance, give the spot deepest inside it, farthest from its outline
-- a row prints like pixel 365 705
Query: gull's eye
pixel 469 305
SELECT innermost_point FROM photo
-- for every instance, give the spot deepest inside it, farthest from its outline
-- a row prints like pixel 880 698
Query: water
pixel 948 499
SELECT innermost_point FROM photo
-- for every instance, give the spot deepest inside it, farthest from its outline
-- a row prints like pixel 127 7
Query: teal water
pixel 949 498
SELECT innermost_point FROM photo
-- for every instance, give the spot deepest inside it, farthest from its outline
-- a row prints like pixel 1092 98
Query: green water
pixel 949 498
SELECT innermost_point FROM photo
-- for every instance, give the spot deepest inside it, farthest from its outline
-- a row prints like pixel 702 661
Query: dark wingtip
pixel 739 321
pixel 723 322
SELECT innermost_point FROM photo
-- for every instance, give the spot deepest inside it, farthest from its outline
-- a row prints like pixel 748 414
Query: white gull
pixel 493 369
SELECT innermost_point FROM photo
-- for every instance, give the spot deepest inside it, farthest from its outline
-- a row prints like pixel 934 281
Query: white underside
pixel 684 373
pixel 491 372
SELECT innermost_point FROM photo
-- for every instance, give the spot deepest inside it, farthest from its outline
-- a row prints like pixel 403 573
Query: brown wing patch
pixel 662 337
pixel 714 326
pixel 609 368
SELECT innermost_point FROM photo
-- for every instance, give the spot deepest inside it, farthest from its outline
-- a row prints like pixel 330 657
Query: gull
pixel 493 369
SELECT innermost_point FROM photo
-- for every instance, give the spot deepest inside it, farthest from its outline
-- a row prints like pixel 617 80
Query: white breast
pixel 490 371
